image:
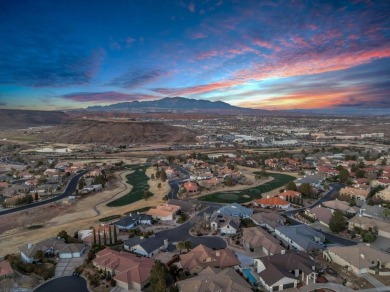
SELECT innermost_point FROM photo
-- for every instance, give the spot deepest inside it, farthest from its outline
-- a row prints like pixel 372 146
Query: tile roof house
pixel 53 246
pixel 269 220
pixel 354 193
pixel 184 205
pixel 273 202
pixel 236 210
pixel 5 269
pixel 213 280
pixel 132 220
pixel 300 237
pixel 286 270
pixel 359 258
pixel 147 247
pixel 202 257
pixel 257 239
pixel 224 224
pixel 367 223
pixel 289 194
pixel 340 205
pixel 164 212
pixel 128 270
pixel 191 187
pixel 321 214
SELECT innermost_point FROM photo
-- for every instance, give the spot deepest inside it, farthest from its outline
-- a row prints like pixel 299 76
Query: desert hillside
pixel 116 132
pixel 21 119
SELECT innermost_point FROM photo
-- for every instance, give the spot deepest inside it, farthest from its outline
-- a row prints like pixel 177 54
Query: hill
pixel 116 132
pixel 21 119
pixel 175 105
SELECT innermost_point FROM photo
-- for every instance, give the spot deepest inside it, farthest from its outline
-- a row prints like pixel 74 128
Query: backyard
pixel 247 195
pixel 139 180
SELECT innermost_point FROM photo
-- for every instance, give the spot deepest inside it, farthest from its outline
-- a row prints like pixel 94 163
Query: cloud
pixel 138 77
pixel 191 7
pixel 46 57
pixel 108 96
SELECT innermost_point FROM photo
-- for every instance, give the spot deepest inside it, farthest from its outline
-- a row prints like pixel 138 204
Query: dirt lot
pixel 80 215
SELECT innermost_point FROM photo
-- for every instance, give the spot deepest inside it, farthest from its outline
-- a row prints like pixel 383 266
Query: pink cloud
pixel 198 35
pixel 191 7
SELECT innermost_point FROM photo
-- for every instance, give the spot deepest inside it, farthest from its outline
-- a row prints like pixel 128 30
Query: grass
pixel 140 210
pixel 109 218
pixel 248 195
pixel 32 227
pixel 139 180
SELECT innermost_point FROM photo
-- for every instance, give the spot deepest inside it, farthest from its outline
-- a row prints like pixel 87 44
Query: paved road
pixel 334 188
pixel 64 284
pixel 70 188
pixel 174 184
pixel 182 233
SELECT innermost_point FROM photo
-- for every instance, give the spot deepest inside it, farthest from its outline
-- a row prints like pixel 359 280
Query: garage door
pixel 289 285
pixel 275 288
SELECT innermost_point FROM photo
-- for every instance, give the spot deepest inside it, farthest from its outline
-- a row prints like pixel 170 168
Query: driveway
pixel 64 284
pixel 66 267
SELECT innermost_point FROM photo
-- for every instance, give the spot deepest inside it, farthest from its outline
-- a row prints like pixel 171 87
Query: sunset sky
pixel 261 54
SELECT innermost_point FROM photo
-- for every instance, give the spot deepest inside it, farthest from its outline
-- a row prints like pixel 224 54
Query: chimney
pixel 218 253
pixel 283 251
pixel 29 245
pixel 165 243
pixel 362 256
pixel 129 214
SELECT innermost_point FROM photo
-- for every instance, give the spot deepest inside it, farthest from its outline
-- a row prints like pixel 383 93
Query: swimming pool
pixel 247 272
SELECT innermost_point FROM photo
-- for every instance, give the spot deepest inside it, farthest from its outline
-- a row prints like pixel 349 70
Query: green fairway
pixel 139 180
pixel 249 194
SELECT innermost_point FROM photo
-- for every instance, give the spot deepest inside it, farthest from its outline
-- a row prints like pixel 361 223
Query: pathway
pixel 373 280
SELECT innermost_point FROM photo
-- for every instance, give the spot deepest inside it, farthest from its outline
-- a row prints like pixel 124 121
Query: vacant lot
pixel 139 180
pixel 247 195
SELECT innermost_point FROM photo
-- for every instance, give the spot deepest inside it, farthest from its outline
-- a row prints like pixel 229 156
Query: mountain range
pixel 189 105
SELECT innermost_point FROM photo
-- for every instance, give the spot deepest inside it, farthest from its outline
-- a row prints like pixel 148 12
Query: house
pixel 360 259
pixel 5 269
pixel 257 239
pixel 191 187
pixel 383 194
pixel 132 220
pixel 354 193
pixel 235 210
pixel 147 247
pixel 273 202
pixel 184 205
pixel 321 214
pixel 224 224
pixel 202 257
pixel 315 180
pixel 375 211
pixel 128 270
pixel 54 246
pixel 269 220
pixel 300 237
pixel 367 223
pixel 342 206
pixel 285 270
pixel 164 212
pixel 210 279
pixel 289 194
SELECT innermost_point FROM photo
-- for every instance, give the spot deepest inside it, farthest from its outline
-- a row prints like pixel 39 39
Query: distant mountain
pixel 175 105
pixel 20 119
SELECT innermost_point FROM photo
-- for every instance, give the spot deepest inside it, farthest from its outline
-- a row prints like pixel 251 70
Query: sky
pixel 57 54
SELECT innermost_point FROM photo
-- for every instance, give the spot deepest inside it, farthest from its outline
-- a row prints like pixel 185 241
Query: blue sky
pixel 260 54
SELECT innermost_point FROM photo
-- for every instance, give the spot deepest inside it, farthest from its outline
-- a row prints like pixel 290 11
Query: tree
pixel 110 234
pixel 159 185
pixel 158 277
pixel 163 176
pixel 115 235
pixel 63 234
pixel 306 190
pixel 229 181
pixel 36 196
pixel 158 173
pixel 337 222
pixel 152 176
pixel 384 161
pixel 94 236
pixel 39 255
pixel 291 186
pixel 344 176
pixel 360 173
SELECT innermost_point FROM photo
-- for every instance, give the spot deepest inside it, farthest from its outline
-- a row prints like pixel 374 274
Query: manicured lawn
pixel 139 180
pixel 109 218
pixel 249 194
